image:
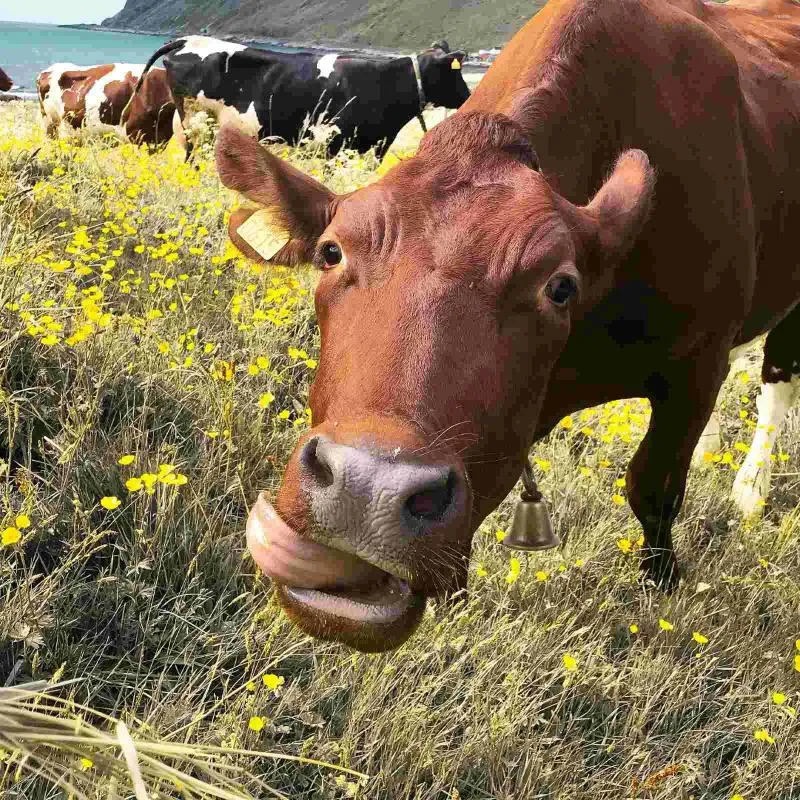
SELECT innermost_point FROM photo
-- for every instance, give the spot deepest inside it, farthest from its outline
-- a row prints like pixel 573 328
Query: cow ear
pixel 299 208
pixel 455 59
pixel 619 211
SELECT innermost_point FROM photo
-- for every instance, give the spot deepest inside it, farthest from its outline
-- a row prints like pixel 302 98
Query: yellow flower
pixel 665 625
pixel 779 698
pixel 500 535
pixel 250 686
pixel 262 363
pixel 542 576
pixel 256 724
pixel 566 423
pixel 619 482
pixel 543 464
pixel 265 399
pixel 50 340
pixel 271 681
pixel 311 363
pixel 480 571
pixel 86 763
pixel 513 571
pixel 253 370
pixel 699 638
pixel 110 503
pixel 134 484
pixel 624 545
pixel 22 521
pixel 797 662
pixel 762 735
pixel 633 628
pixel 737 797
pixel 570 662
pixel 126 460
pixel 10 536
pixel 618 499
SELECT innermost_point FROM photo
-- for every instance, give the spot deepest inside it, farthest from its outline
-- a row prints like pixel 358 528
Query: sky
pixel 58 11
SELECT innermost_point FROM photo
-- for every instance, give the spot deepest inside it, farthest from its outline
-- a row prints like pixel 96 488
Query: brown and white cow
pixel 148 119
pixel 612 212
pixel 86 97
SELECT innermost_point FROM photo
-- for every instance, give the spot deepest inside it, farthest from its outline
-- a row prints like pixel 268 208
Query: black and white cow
pixel 279 94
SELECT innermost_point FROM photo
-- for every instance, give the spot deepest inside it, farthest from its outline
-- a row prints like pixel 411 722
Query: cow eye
pixel 561 289
pixel 331 254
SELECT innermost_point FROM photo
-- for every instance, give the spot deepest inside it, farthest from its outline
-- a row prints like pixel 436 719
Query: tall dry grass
pixel 130 328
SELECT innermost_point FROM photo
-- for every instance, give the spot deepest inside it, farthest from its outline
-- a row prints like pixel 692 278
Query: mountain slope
pixel 392 24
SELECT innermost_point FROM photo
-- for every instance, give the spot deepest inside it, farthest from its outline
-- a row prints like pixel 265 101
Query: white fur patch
pixel 205 46
pixel 326 64
pixel 96 95
pixel 53 103
pixel 752 483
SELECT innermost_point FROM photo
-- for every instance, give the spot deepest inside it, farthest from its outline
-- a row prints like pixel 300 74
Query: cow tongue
pixel 304 564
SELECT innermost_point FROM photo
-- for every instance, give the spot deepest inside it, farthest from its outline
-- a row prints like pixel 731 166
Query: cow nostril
pixel 431 504
pixel 315 463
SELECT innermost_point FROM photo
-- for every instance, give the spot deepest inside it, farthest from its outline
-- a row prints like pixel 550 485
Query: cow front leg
pixel 682 402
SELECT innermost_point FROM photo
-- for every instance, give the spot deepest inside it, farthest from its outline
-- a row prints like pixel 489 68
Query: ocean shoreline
pixel 315 47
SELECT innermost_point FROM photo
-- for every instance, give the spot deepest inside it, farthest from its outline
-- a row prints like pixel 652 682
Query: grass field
pixel 152 381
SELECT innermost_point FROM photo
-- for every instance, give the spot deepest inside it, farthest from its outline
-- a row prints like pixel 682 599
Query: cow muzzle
pixel 365 530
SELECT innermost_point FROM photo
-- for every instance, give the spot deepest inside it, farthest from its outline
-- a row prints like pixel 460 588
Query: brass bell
pixel 532 528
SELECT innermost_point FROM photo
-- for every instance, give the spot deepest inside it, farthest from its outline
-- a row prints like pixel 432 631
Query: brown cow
pixel 92 97
pixel 148 119
pixel 521 267
pixel 5 82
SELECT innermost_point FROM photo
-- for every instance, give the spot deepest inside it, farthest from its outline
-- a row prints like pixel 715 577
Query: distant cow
pixel 92 97
pixel 149 115
pixel 5 82
pixel 277 94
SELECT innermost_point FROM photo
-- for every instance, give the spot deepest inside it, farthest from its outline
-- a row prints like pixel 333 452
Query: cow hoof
pixel 662 570
pixel 750 491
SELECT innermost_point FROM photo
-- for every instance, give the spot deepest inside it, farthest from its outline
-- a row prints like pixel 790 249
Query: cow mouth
pixel 329 593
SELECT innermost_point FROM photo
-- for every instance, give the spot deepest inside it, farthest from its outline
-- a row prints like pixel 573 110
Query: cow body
pixel 611 213
pixel 272 94
pixel 86 97
pixel 149 117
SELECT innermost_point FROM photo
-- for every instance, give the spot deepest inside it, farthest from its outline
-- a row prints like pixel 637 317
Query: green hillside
pixel 409 24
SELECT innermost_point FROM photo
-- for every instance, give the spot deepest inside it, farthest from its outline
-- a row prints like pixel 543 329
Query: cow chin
pixel 371 624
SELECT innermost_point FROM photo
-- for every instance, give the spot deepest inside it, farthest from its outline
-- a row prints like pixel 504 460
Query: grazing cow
pixel 148 118
pixel 92 97
pixel 5 82
pixel 276 94
pixel 612 212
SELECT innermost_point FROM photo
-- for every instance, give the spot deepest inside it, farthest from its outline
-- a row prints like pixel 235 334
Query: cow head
pixel 442 77
pixel 446 294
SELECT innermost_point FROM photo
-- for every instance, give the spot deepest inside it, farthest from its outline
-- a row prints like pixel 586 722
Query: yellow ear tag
pixel 261 234
pixel 455 64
